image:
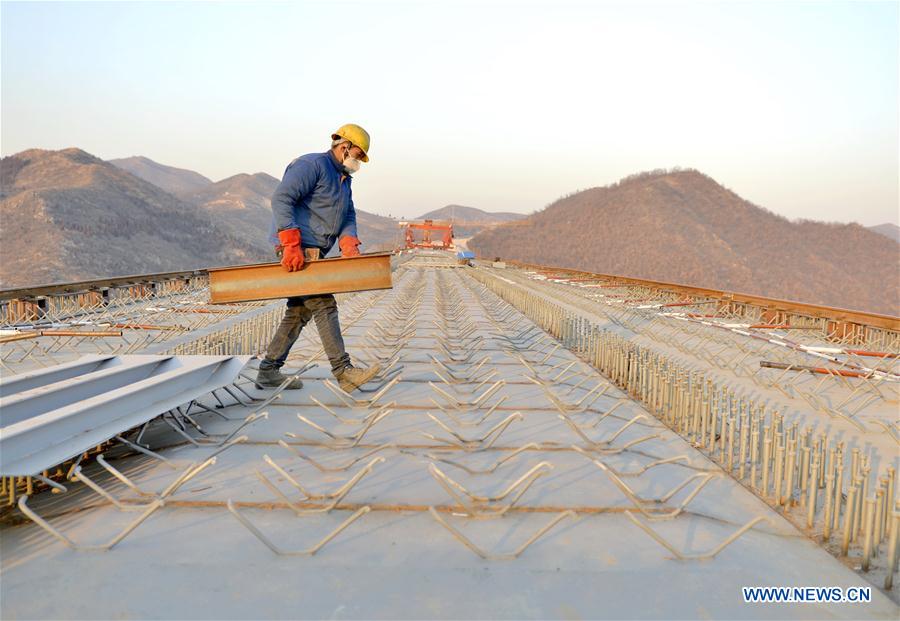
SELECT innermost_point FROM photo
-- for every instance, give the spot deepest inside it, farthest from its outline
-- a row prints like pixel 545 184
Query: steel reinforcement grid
pixel 536 444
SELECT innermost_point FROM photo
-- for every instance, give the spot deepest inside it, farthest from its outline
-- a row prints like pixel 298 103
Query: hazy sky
pixel 502 106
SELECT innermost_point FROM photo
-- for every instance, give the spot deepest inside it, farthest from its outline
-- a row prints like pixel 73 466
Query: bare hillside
pixel 468 221
pixel 684 227
pixel 67 215
pixel 461 212
pixel 888 229
pixel 173 180
pixel 241 205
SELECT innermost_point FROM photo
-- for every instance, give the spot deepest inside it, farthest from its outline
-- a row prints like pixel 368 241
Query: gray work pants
pixel 298 313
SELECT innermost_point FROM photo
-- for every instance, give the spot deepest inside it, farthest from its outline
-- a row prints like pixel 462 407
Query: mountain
pixel 173 180
pixel 67 215
pixel 468 221
pixel 889 230
pixel 460 212
pixel 683 227
pixel 239 192
pixel 377 233
pixel 240 204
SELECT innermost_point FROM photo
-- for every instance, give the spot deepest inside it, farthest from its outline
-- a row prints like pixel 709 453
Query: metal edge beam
pixel 876 320
pixel 81 286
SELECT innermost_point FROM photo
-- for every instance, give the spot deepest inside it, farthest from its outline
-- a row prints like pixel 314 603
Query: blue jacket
pixel 311 197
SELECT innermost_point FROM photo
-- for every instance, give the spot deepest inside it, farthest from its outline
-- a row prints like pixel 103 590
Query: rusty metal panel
pixel 269 281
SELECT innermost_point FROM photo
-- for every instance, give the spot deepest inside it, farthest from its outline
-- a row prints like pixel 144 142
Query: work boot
pixel 351 378
pixel 273 378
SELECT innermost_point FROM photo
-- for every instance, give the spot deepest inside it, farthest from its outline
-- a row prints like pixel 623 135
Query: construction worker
pixel 312 208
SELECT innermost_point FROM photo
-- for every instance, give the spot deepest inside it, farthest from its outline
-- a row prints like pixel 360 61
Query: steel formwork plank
pixel 58 393
pixel 35 444
pixel 13 384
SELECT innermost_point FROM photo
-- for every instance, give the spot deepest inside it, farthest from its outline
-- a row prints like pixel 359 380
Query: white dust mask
pixel 352 164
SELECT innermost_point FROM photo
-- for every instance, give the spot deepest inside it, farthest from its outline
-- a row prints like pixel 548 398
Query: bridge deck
pixel 425 455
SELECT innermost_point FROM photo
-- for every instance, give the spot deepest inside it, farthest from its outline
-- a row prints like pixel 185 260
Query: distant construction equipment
pixel 428 228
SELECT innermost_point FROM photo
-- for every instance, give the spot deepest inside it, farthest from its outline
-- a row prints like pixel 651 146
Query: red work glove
pixel 292 254
pixel 348 246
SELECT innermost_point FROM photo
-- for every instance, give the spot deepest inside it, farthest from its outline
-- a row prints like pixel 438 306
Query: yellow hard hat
pixel 355 134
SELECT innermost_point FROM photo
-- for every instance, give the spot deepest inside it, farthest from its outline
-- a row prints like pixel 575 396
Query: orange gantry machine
pixel 434 234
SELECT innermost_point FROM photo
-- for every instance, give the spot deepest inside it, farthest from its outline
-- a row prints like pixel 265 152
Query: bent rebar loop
pixel 25 509
pixel 190 472
pixel 658 513
pixel 480 510
pixel 344 441
pixel 500 557
pixel 605 445
pixel 634 473
pixel 530 446
pixel 322 468
pixel 477 402
pixel 695 557
pixel 304 552
pixel 578 406
pixel 475 423
pixel 471 370
pixel 131 484
pixel 353 421
pixel 248 420
pixel 476 443
pixel 148 509
pixel 335 496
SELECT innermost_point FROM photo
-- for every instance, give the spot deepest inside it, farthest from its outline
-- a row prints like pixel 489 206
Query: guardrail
pixel 31 304
pixel 839 323
pixel 34 304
